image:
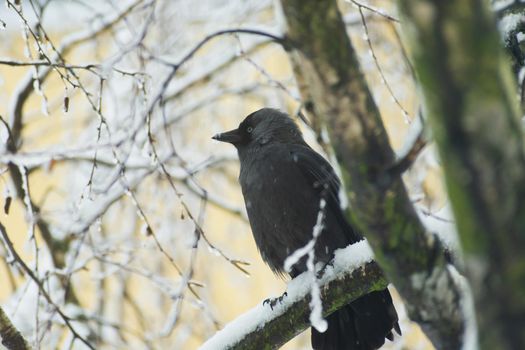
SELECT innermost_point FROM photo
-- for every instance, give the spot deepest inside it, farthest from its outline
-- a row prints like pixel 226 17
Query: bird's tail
pixel 361 325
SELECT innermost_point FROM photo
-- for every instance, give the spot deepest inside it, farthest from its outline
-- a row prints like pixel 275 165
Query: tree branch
pixel 12 339
pixel 352 275
pixel 209 37
pixel 409 155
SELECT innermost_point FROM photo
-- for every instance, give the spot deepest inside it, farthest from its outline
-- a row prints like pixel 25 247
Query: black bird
pixel 283 181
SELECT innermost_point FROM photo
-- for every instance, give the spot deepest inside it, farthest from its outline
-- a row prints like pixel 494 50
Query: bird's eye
pixel 249 129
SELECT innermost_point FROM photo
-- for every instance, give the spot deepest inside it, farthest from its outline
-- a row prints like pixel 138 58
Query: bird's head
pixel 264 126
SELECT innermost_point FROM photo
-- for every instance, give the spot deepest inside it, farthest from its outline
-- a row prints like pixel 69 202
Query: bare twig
pixel 405 160
pixel 378 66
pixel 374 10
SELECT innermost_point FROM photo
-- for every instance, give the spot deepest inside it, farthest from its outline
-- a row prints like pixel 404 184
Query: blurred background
pixel 114 195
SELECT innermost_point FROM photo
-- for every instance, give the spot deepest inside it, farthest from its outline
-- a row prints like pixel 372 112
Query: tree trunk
pixel 336 95
pixel 471 103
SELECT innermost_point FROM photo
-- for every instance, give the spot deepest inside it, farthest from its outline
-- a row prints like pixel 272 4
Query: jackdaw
pixel 283 181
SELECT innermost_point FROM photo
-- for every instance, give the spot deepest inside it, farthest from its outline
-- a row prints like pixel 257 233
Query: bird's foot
pixel 273 301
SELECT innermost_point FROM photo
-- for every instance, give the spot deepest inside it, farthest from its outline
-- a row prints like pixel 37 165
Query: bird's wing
pixel 323 179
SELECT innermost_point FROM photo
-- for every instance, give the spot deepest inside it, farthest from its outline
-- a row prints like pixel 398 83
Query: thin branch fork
pixel 405 162
pixel 373 10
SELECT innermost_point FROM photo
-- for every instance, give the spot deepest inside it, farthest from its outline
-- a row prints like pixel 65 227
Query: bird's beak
pixel 232 136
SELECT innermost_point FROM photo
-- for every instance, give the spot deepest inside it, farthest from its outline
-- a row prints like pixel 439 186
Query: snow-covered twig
pixel 308 250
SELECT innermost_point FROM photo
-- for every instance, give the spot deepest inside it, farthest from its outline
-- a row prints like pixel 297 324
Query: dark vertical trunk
pixel 471 103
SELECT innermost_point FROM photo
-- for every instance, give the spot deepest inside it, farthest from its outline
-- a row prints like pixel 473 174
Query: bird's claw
pixel 273 301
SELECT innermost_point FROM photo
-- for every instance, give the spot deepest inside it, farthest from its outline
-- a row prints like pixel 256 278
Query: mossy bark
pixel 11 337
pixel 335 94
pixel 295 319
pixel 471 103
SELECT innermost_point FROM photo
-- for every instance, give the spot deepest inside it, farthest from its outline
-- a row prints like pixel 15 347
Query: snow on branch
pixel 11 337
pixel 352 274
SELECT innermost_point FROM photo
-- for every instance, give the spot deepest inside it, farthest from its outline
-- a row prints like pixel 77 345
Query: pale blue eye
pixel 249 129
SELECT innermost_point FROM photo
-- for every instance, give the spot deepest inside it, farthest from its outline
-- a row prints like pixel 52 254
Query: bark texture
pixel 287 322
pixel 336 95
pixel 471 103
pixel 11 337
